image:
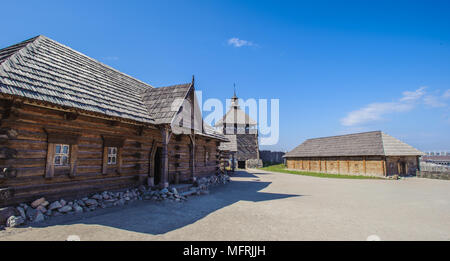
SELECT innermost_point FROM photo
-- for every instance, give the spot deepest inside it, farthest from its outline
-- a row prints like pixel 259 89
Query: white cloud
pixel 408 101
pixel 236 42
pixel 434 101
pixel 374 112
pixel 446 94
pixel 413 96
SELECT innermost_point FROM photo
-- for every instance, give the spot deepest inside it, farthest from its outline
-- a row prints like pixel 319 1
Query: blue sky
pixel 336 66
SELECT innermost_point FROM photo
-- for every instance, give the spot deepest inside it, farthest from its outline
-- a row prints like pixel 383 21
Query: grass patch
pixel 282 169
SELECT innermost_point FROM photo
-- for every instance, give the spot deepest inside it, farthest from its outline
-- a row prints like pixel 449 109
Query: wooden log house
pixel 370 153
pixel 71 125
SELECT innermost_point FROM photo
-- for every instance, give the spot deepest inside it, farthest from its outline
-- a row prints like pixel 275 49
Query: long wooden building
pixel 71 125
pixel 370 153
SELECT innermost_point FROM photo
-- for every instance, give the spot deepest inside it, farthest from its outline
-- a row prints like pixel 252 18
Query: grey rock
pixel 81 203
pixel 62 202
pixel 97 197
pixel 91 202
pixel 37 202
pixel 41 208
pixel 39 217
pixel 21 212
pixel 14 221
pixel 65 209
pixel 31 213
pixel 54 205
pixel 56 213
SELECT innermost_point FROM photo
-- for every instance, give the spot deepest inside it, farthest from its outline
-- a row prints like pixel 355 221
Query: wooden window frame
pixel 112 155
pixel 57 136
pixel 61 154
pixel 108 142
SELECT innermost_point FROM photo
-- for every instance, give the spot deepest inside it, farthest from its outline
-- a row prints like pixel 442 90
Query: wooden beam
pixel 73 160
pixel 105 161
pixel 165 156
pixel 364 162
pixel 119 160
pixel 50 168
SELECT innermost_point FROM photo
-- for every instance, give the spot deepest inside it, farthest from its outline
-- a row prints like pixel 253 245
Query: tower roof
pixel 236 115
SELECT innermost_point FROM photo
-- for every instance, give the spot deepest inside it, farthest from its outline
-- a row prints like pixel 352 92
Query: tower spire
pixel 234 99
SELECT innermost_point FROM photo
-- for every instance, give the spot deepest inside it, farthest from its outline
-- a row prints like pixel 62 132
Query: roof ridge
pixel 343 135
pixel 94 60
pixel 21 45
pixel 173 85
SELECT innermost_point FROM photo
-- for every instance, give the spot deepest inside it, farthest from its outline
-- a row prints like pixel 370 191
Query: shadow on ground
pixel 162 217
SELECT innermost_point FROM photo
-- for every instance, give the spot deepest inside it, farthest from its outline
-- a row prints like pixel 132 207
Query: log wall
pixel 24 148
pixel 363 165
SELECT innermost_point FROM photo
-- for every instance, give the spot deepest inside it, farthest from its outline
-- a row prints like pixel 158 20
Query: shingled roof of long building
pixel 375 143
pixel 42 69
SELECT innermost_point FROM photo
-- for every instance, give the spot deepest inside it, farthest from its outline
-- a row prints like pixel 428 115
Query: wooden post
pixel 364 162
pixel 50 168
pixel 233 165
pixel 339 165
pixel 151 164
pixel 73 160
pixel 105 160
pixel 320 165
pixel 119 160
pixel 192 152
pixel 348 166
pixel 165 156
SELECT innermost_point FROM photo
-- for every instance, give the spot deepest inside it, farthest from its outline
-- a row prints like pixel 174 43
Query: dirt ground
pixel 259 205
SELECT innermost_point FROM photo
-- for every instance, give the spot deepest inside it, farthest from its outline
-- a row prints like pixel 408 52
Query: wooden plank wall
pixel 372 165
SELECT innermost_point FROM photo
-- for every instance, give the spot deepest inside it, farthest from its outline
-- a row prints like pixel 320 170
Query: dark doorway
pixel 157 166
pixel 402 168
pixel 241 164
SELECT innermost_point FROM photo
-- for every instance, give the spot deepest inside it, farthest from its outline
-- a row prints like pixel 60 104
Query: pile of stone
pixel 164 194
pixel 205 182
pixel 41 209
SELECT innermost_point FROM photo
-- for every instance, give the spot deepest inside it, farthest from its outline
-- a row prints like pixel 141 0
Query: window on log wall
pixel 62 152
pixel 61 155
pixel 112 153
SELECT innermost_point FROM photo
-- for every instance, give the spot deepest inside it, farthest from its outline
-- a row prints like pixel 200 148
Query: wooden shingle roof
pixel 163 103
pixel 231 145
pixel 375 143
pixel 44 70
